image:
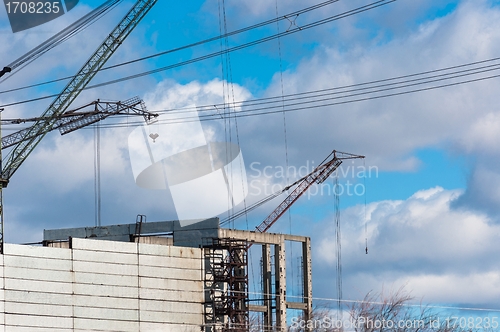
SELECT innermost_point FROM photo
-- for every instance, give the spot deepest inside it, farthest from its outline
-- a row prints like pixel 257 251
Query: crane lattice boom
pixel 318 175
pixel 76 119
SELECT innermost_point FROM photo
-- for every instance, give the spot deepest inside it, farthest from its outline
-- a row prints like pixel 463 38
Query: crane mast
pixel 318 175
pixel 37 131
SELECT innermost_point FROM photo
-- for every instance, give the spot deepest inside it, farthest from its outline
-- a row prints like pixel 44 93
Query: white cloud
pixel 390 129
pixel 421 242
pixel 462 119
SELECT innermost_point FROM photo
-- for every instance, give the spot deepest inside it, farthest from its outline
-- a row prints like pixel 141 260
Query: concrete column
pixel 307 275
pixel 280 282
pixel 266 282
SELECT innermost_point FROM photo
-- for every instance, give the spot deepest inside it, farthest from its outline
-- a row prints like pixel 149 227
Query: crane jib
pixel 318 175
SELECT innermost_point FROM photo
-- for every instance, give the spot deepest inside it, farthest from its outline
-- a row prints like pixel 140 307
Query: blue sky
pixel 432 208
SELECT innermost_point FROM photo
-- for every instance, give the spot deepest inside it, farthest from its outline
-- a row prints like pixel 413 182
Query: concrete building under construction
pixel 154 276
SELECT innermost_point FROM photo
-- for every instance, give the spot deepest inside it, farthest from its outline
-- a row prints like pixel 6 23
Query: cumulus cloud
pixel 461 119
pixel 421 242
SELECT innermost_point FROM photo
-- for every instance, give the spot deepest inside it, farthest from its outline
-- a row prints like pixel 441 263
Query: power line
pixel 418 305
pixel 304 95
pixel 333 96
pixel 206 41
pixel 313 24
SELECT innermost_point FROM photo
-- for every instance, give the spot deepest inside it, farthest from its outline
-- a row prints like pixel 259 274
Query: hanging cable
pixel 267 198
pixel 250 208
pixel 289 212
pixel 97 174
pixel 366 220
pixel 338 242
pixel 225 102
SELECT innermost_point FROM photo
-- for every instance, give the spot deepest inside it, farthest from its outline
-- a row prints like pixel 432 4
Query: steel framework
pixel 227 284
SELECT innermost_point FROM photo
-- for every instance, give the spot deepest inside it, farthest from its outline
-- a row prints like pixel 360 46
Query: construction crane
pixel 318 175
pixel 75 119
pixel 48 119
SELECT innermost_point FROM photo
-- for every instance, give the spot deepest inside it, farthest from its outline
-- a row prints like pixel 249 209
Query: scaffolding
pixel 226 285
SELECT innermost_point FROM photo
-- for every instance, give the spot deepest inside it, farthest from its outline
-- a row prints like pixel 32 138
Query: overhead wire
pixel 312 101
pixel 62 36
pixel 304 97
pixel 332 96
pixel 365 219
pixel 205 41
pixel 364 301
pixel 328 91
pixel 460 73
pixel 316 23
pixel 97 174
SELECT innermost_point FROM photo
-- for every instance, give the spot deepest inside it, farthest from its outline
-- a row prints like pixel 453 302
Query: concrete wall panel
pixel 35 309
pixel 106 279
pixel 164 317
pixel 101 286
pixel 38 286
pixel 24 296
pixel 171 262
pixel 171 307
pixel 105 268
pixel 38 321
pixel 169 251
pixel 106 325
pixel 34 329
pixel 107 313
pixel 37 274
pixel 38 263
pixel 168 295
pixel 172 284
pixel 165 272
pixel 158 327
pixel 104 257
pixel 101 245
pixel 36 251
pixel 117 292
pixel 94 301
